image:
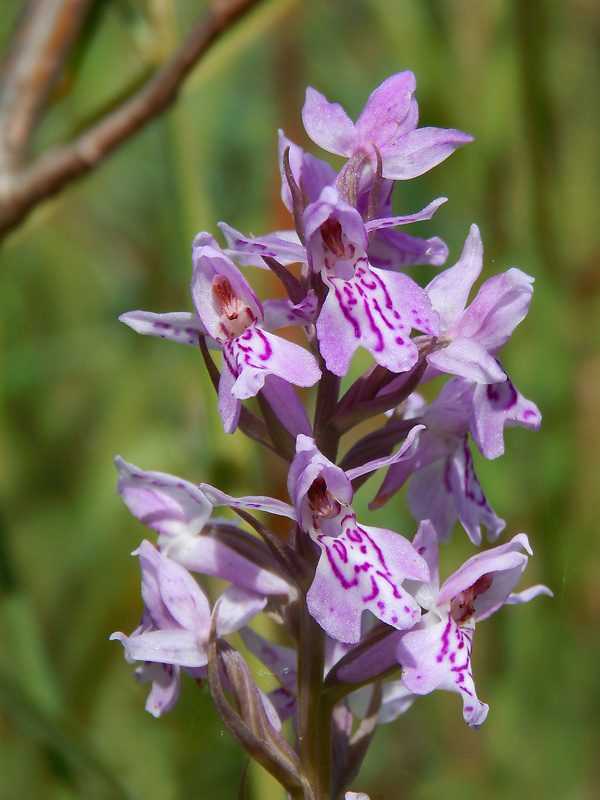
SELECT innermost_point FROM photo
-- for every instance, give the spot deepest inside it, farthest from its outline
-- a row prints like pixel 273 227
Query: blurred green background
pixel 78 387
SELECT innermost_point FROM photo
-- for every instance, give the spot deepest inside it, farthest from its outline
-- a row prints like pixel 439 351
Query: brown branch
pixel 22 188
pixel 44 34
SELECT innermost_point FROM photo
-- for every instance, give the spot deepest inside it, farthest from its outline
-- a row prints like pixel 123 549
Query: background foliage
pixel 77 387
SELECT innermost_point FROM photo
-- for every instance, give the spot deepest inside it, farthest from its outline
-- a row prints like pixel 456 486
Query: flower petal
pixel 390 111
pixel 208 556
pixel 397 250
pixel 406 451
pixel 419 216
pixel 171 595
pixel 211 263
pixel 174 646
pixel 468 359
pixel 501 303
pixel 420 150
pixel 236 607
pixel 259 502
pixel 166 684
pixel 249 250
pixel 258 353
pixel 178 326
pixel 281 313
pixel 377 310
pixel 496 406
pixel 328 125
pixel 437 655
pixel 163 502
pixel 505 563
pixel 449 291
pixel 363 569
pixel 228 404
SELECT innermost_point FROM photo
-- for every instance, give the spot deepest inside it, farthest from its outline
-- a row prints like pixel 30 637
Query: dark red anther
pixel 223 293
pixel 461 606
pixel 331 232
pixel 321 501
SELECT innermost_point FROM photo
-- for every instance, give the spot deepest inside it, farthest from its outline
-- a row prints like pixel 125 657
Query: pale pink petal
pixel 328 125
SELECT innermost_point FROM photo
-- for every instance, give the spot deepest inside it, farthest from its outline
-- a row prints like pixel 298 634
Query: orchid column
pixel 365 624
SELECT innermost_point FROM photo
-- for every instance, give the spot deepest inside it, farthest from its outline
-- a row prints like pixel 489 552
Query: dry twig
pixel 41 43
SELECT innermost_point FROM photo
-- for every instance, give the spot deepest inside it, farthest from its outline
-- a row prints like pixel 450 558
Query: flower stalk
pixel 365 624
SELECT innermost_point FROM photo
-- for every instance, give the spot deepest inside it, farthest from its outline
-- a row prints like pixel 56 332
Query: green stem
pixel 324 752
pixel 311 659
pixel 326 438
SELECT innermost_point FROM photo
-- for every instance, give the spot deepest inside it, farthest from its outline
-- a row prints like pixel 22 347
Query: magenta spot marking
pixel 369 285
pixel 472 489
pixel 354 535
pixel 446 638
pixel 380 343
pixel 230 359
pixel 377 549
pixel 244 351
pixel 340 549
pixel 374 591
pixel 334 567
pixel 268 350
pixel 387 577
pixel 388 300
pixel 347 313
pixel 502 395
pixel 382 315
